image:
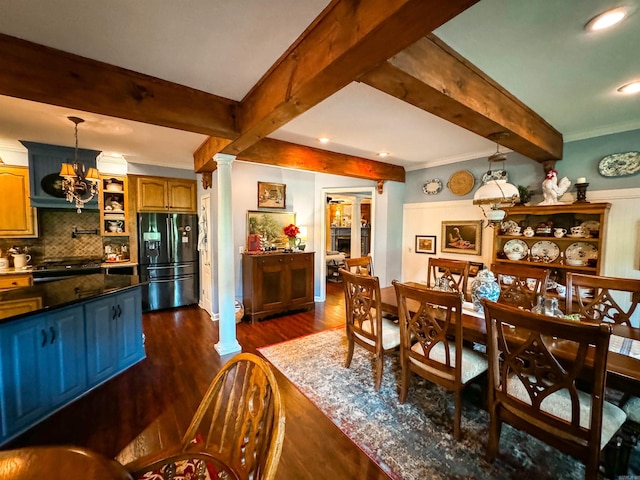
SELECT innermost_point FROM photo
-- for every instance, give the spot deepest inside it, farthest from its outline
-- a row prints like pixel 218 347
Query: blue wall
pixel 580 159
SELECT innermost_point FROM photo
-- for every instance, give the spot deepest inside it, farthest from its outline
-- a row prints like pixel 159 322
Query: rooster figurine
pixel 552 189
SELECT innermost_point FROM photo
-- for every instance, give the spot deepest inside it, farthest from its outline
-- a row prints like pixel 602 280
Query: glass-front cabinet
pixel 114 205
pixel 562 238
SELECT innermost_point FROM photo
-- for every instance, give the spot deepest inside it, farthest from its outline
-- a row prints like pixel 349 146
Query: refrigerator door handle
pixel 174 279
pixel 169 238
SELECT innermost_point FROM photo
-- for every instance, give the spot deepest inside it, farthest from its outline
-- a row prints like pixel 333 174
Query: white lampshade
pixel 496 192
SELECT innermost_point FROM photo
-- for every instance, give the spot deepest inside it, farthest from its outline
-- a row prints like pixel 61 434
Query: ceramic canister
pixel 484 286
pixel 4 263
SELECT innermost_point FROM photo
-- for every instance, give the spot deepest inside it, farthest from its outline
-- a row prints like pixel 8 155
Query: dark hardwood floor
pixel 150 405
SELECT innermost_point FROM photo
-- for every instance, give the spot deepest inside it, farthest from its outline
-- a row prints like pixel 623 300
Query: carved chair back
pixel 453 273
pixel 535 365
pixel 520 285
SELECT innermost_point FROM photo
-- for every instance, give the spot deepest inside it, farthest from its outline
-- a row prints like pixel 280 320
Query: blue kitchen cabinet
pixel 42 366
pixel 130 339
pixel 114 334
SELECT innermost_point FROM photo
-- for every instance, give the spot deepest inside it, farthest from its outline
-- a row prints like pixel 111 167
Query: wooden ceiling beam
pixel 42 74
pixel 269 151
pixel 347 39
pixel 433 77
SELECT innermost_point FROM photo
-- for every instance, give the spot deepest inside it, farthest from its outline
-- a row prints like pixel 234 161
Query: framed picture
pixel 272 195
pixel 474 268
pixel 270 226
pixel 462 237
pixel 426 244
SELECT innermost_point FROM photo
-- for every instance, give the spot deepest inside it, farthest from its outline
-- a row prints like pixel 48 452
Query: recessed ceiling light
pixel 323 140
pixel 606 19
pixel 629 88
pixel 383 154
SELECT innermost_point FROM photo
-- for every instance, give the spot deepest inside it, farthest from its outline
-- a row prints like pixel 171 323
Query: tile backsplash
pixel 56 236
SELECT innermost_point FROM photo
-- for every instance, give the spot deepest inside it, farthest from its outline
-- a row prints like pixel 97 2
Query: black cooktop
pixel 68 264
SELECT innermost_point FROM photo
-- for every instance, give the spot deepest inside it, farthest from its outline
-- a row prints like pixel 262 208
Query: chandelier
pixel 78 186
pixel 496 192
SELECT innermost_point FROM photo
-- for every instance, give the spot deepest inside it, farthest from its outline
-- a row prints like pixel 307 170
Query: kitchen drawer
pixel 15 281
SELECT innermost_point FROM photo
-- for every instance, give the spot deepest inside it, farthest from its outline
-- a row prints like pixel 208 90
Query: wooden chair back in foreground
pixel 239 425
pixel 365 324
pixel 605 299
pixel 453 273
pixel 427 320
pixel 535 362
pixel 360 265
pixel 520 285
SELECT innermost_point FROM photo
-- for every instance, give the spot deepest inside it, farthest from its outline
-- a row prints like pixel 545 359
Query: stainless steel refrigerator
pixel 168 259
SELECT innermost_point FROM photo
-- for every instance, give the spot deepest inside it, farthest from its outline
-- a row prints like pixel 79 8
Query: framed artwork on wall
pixel 426 244
pixel 462 237
pixel 270 226
pixel 272 195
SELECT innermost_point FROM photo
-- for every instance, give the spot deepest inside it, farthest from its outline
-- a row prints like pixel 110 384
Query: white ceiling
pixel 538 50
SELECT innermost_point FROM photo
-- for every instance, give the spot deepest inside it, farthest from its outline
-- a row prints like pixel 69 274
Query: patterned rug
pixel 414 440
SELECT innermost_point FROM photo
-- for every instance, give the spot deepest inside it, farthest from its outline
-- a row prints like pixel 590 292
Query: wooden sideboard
pixel 274 283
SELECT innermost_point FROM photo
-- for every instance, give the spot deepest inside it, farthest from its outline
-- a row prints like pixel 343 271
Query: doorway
pixel 348 219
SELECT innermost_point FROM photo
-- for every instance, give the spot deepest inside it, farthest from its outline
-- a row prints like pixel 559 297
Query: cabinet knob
pixel 44 337
pixel 14 283
pixel 53 335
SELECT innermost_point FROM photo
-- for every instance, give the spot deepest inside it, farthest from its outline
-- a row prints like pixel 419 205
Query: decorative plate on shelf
pixel 620 164
pixel 515 249
pixel 580 252
pixel 461 182
pixel 432 187
pixel 545 250
pixel 508 225
pixel 590 225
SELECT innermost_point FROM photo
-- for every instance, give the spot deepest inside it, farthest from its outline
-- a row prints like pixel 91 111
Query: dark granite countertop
pixel 61 293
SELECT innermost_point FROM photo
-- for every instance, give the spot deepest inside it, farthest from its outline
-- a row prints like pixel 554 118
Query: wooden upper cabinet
pixel 158 194
pixel 17 217
pixel 182 195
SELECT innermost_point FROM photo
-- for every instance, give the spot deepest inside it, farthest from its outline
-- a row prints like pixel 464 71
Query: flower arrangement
pixel 291 231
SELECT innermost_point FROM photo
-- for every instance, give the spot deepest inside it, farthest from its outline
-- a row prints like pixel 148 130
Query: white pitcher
pixel 20 260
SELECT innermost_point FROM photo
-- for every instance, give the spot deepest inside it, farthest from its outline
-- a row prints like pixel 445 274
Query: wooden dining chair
pixel 239 425
pixel 520 285
pixel 364 323
pixel 360 265
pixel 431 343
pixel 453 273
pixel 535 365
pixel 612 300
pixel 605 299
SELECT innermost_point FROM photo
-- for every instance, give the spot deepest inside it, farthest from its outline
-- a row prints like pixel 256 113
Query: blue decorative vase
pixel 484 286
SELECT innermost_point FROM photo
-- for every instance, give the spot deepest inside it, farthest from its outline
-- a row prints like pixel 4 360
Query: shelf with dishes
pixel 113 205
pixel 563 238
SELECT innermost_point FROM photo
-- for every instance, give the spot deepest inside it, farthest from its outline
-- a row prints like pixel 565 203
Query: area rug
pixel 414 440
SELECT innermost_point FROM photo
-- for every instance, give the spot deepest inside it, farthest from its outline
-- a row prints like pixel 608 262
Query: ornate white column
pixel 228 343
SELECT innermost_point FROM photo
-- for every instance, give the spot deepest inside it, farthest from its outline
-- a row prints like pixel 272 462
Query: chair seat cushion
pixel 390 333
pixel 558 404
pixel 632 408
pixel 473 363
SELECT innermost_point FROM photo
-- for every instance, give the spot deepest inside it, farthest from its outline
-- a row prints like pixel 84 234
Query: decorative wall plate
pixel 620 164
pixel 578 253
pixel 432 186
pixel 545 250
pixel 461 182
pixel 517 248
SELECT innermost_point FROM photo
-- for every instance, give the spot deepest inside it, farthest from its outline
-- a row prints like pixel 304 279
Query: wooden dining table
pixel 623 362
